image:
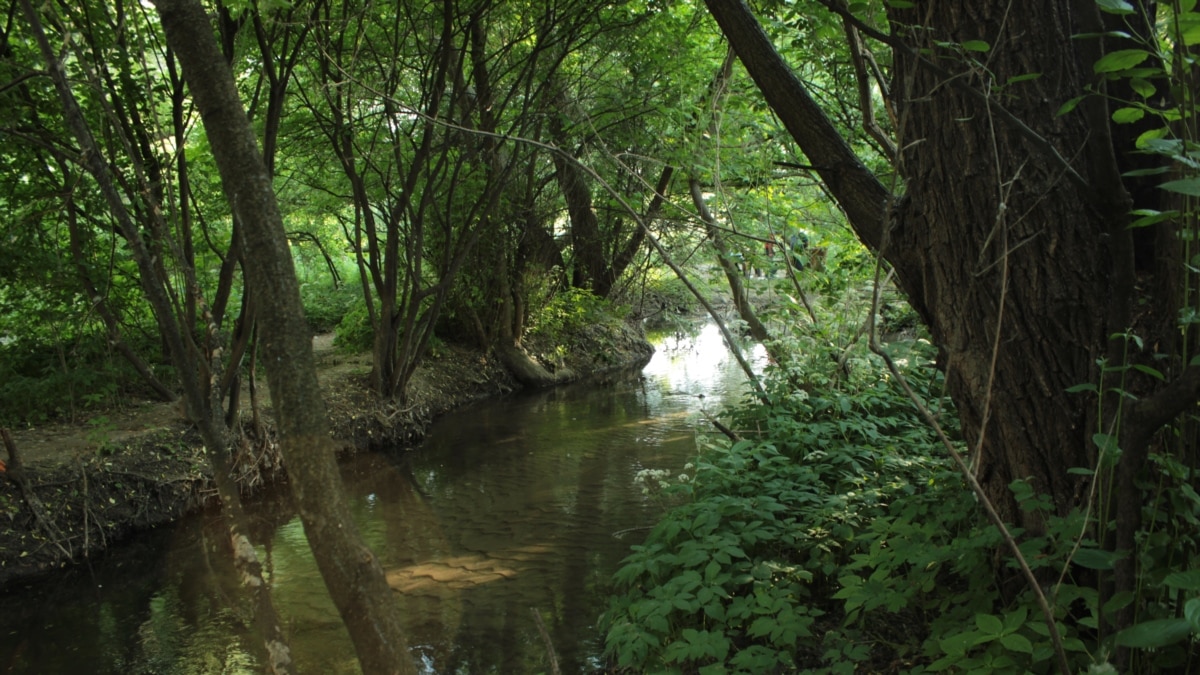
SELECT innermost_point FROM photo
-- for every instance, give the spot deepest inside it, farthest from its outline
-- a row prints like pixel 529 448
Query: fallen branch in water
pixel 729 433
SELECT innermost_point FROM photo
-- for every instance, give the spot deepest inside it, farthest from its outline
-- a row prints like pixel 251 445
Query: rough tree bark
pixel 1011 236
pixel 352 573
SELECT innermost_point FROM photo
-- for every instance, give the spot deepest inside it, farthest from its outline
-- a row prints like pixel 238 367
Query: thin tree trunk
pixel 184 356
pixel 100 302
pixel 741 298
pixel 351 571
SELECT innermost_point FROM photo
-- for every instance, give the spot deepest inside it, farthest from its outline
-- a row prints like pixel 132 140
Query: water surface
pixel 513 506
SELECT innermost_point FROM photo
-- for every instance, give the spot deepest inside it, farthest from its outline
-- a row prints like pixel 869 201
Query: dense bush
pixel 43 381
pixel 354 332
pixel 570 312
pixel 325 305
pixel 741 574
pixel 837 538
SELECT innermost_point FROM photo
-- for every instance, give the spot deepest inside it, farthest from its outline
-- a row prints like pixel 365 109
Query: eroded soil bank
pixel 91 486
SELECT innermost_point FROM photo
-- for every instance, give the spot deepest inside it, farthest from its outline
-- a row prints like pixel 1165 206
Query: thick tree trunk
pixel 1015 274
pixel 586 244
pixel 352 573
pixel 1011 239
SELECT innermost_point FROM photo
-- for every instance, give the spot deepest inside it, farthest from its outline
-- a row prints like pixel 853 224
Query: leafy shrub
pixel 571 312
pixel 740 577
pixel 662 300
pixel 354 332
pixel 42 381
pixel 325 306
pixel 838 539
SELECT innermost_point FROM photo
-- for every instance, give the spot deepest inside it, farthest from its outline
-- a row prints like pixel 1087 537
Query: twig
pixel 16 473
pixel 729 433
pixel 621 533
pixel 537 619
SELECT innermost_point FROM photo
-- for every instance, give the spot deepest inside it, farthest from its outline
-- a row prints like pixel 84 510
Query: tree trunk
pixel 587 249
pixel 1015 277
pixel 741 297
pixel 189 362
pixel 1011 239
pixel 100 302
pixel 352 573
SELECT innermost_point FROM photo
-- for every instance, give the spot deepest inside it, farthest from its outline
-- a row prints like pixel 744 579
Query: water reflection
pixel 509 508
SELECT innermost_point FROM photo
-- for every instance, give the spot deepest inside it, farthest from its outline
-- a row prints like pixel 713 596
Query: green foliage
pixel 570 312
pixel 742 575
pixel 838 539
pixel 662 300
pixel 46 381
pixel 354 332
pixel 326 305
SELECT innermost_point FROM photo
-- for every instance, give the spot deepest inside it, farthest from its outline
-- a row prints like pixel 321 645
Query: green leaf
pixel 1127 115
pixel 959 644
pixel 1188 581
pixel 1015 642
pixel 989 624
pixel 1023 78
pixel 1191 34
pixel 1191 611
pixel 1096 559
pixel 1115 6
pixel 1117 602
pixel 1015 619
pixel 1149 371
pixel 1142 87
pixel 1105 442
pixel 1068 106
pixel 1151 135
pixel 1159 144
pixel 1086 386
pixel 1184 186
pixel 1190 492
pixel 1122 59
pixel 1154 634
pixel 976 46
pixel 1107 33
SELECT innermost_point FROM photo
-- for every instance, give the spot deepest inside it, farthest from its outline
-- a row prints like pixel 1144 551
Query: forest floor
pixel 82 487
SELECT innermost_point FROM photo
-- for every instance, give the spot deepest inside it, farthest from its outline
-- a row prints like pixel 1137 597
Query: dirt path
pixel 67 443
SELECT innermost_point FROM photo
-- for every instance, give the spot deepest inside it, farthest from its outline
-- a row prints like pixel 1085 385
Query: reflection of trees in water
pixel 511 505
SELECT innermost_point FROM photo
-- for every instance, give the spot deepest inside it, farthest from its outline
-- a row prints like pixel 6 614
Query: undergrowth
pixel 835 537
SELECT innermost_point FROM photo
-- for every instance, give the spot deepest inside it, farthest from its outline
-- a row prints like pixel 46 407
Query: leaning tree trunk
pixel 351 571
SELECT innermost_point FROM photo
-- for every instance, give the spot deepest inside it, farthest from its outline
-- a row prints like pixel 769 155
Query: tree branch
pixel 859 192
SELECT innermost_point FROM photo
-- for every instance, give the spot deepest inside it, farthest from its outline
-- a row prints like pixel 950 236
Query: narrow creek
pixel 512 506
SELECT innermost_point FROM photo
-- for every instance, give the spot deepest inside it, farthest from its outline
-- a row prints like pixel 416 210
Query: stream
pixel 513 506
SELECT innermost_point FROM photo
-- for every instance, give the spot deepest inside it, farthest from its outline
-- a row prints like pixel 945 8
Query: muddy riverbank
pixel 90 486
